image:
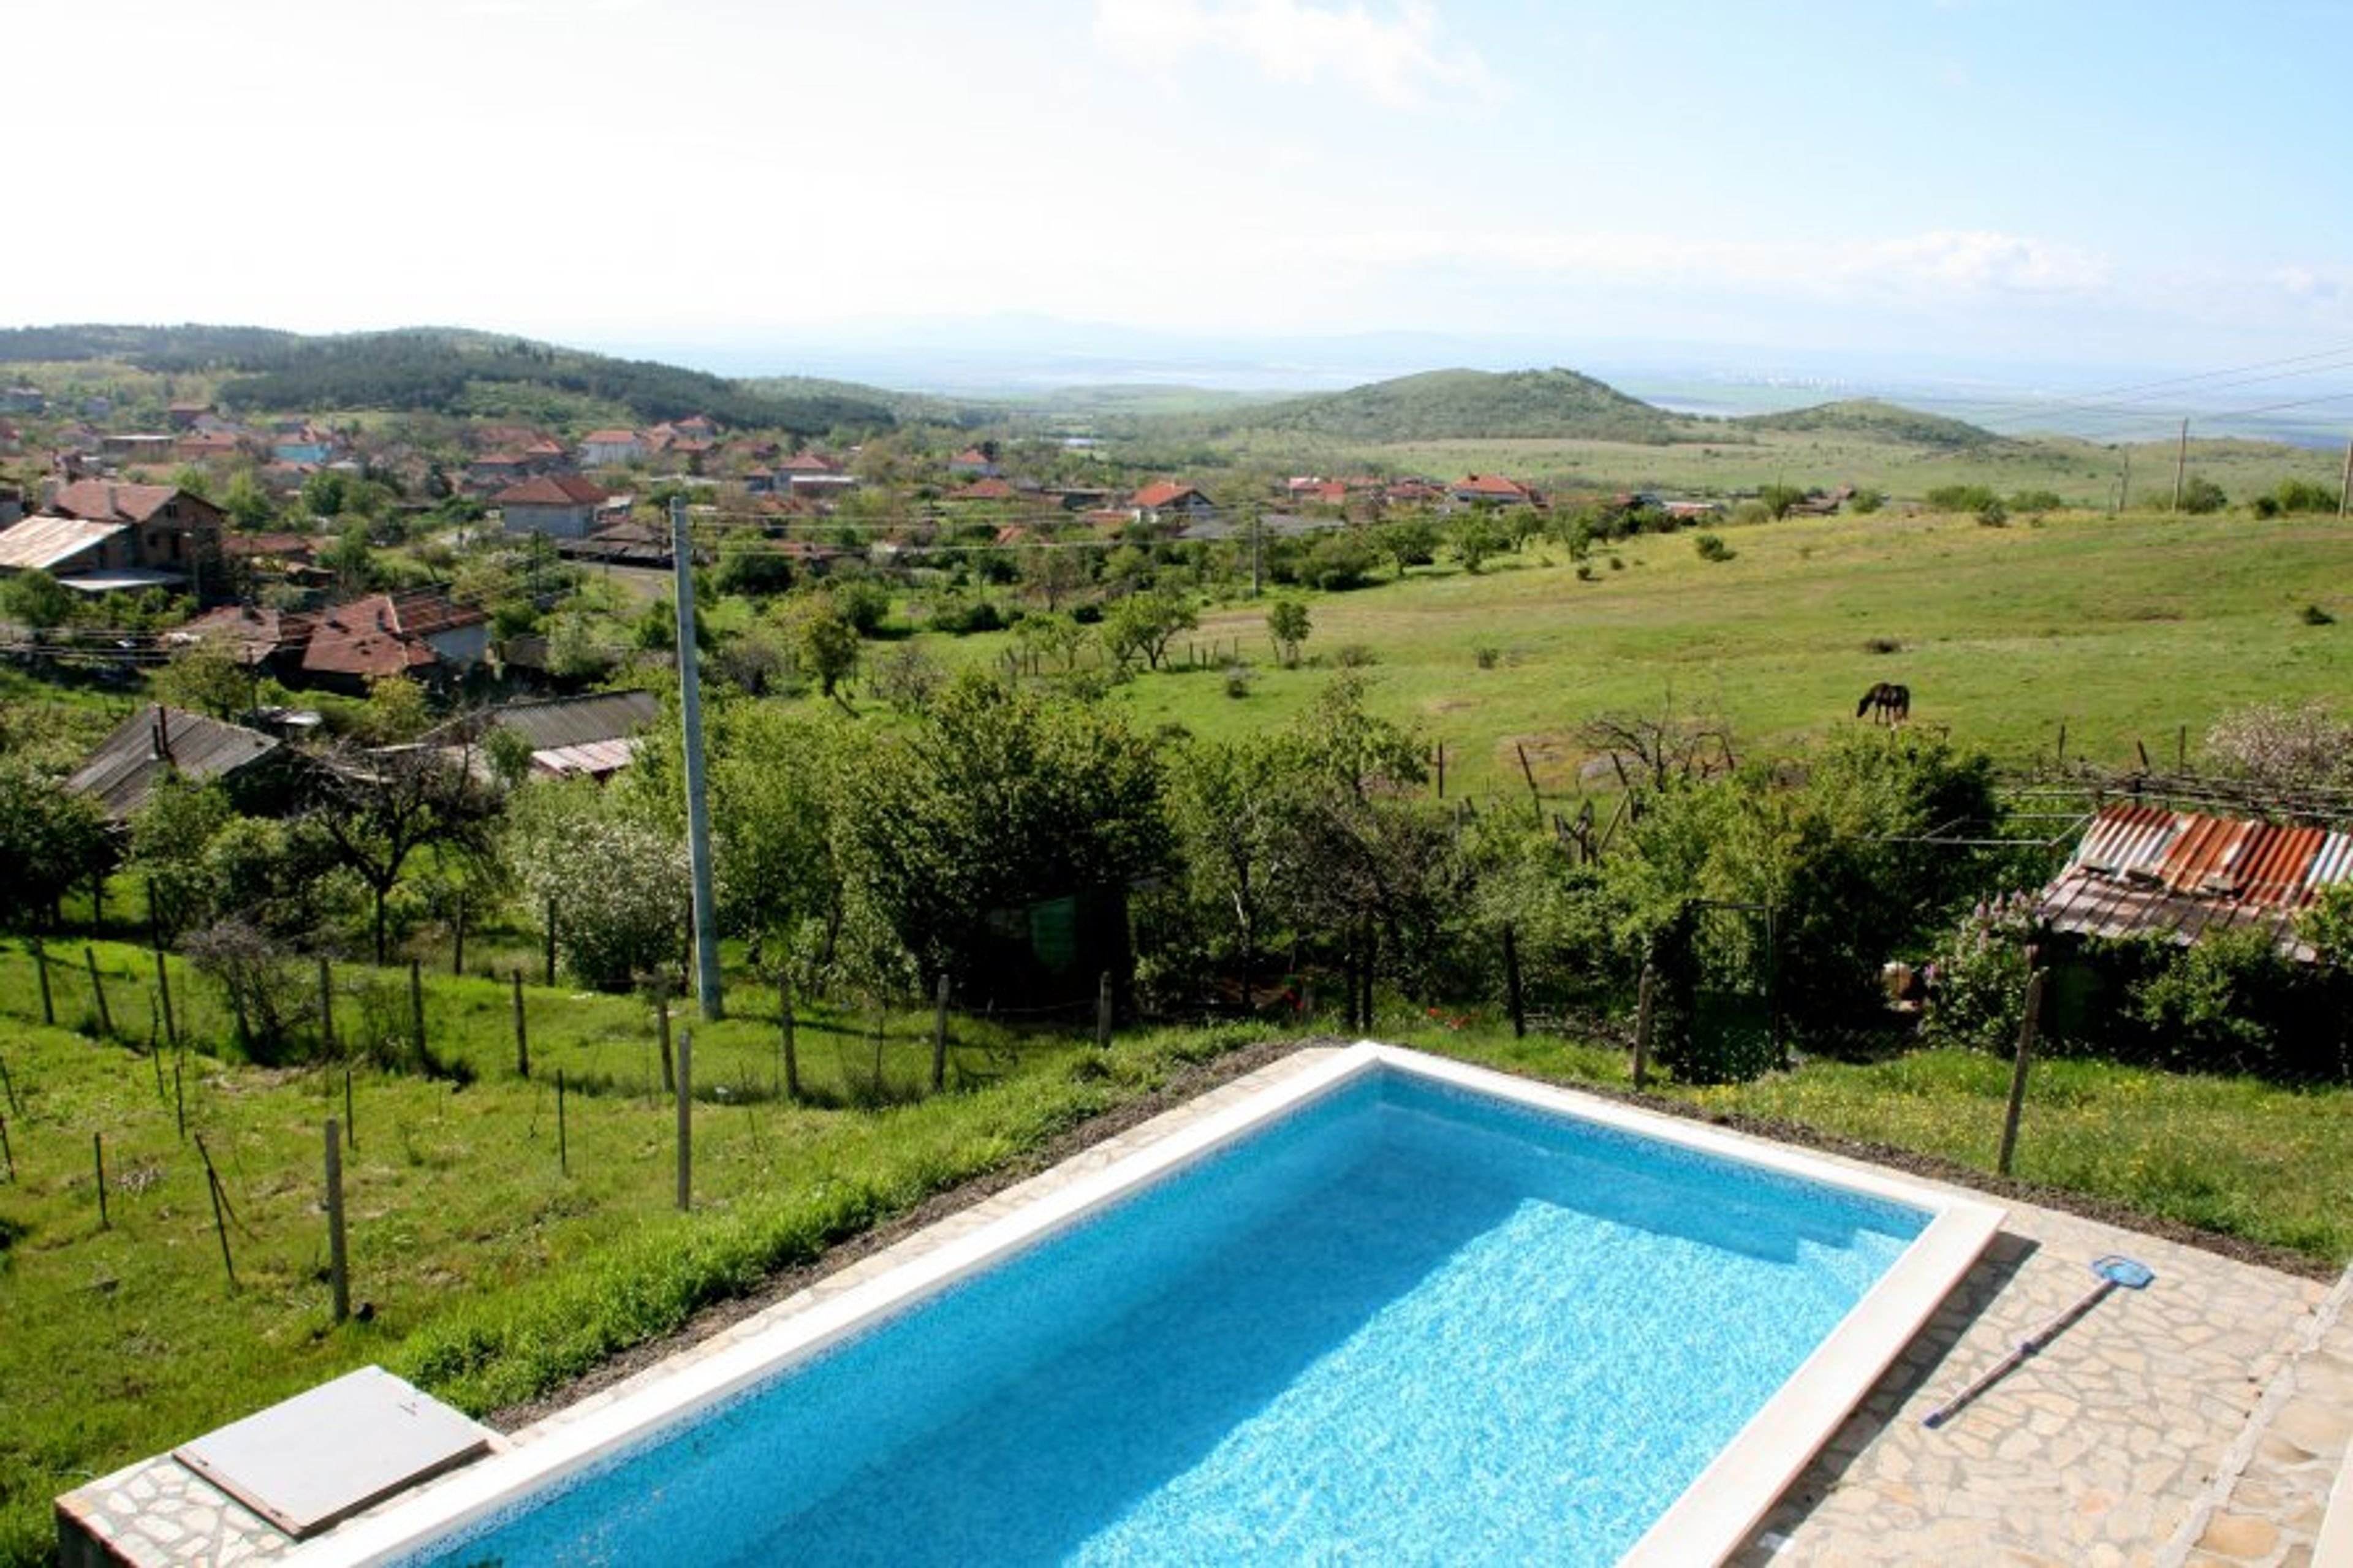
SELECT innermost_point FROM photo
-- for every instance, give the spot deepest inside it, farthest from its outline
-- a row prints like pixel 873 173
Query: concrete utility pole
pixel 697 809
pixel 2181 464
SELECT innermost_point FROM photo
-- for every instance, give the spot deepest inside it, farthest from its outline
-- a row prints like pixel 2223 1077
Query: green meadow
pixel 2125 631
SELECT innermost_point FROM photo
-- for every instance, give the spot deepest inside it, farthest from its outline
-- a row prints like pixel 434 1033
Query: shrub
pixel 1337 562
pixel 1237 680
pixel 1355 654
pixel 1712 547
pixel 1487 655
pixel 2314 616
pixel 2032 502
pixel 1867 501
pixel 1882 645
pixel 1977 977
pixel 1963 497
pixel 2202 495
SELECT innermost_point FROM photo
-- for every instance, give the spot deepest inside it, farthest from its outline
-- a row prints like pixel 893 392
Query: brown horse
pixel 1894 702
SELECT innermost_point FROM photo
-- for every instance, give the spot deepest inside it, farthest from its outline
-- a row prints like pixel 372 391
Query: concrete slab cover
pixel 325 1454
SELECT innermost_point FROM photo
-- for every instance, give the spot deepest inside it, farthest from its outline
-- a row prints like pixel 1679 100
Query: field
pixel 2083 473
pixel 2125 631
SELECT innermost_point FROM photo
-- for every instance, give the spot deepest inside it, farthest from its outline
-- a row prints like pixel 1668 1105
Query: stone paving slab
pixel 2200 1421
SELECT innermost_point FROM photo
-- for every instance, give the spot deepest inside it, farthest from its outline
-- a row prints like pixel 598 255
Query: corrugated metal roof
pixel 158 741
pixel 566 720
pixel 2145 869
pixel 595 759
pixel 40 542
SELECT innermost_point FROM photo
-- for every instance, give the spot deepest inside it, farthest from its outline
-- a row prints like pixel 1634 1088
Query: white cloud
pixel 1975 261
pixel 1401 59
pixel 1941 262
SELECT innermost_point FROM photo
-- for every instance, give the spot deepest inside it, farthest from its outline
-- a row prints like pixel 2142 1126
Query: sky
pixel 2097 187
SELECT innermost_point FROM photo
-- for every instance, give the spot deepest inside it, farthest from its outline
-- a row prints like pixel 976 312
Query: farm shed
pixel 2150 870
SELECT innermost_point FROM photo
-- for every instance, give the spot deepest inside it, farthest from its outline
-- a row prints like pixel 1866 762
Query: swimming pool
pixel 1391 1307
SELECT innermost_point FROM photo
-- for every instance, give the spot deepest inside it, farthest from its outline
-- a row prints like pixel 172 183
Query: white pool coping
pixel 1711 1519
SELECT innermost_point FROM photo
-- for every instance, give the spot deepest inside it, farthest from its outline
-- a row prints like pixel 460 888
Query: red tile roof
pixel 381 636
pixel 553 490
pixel 1166 492
pixel 105 501
pixel 984 489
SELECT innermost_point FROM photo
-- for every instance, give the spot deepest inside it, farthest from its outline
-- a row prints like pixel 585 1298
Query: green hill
pixel 1874 420
pixel 1450 405
pixel 442 370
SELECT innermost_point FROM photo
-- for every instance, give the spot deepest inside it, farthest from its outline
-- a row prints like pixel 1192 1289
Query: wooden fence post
pixel 685 1120
pixel 41 971
pixel 220 1218
pixel 164 990
pixel 179 1096
pixel 785 1022
pixel 417 1006
pixel 98 994
pixel 661 1013
pixel 458 939
pixel 351 1122
pixel 1512 983
pixel 7 1153
pixel 2028 1023
pixel 339 1280
pixel 98 1158
pixel 940 1038
pixel 8 1087
pixel 562 1146
pixel 522 1044
pixel 326 1006
pixel 1645 1015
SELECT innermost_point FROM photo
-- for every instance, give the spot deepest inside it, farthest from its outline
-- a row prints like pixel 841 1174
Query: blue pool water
pixel 1405 1323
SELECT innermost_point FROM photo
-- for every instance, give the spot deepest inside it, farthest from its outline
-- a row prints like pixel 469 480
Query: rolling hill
pixel 444 370
pixel 1874 420
pixel 1448 404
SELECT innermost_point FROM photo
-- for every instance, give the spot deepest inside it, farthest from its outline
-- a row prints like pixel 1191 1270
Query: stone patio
pixel 2200 1421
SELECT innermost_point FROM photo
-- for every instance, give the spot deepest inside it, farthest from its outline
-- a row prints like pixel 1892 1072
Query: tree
pixel 2281 749
pixel 1408 541
pixel 1144 623
pixel 50 838
pixel 378 808
pixel 1002 797
pixel 825 640
pixel 207 676
pixel 617 884
pixel 1235 809
pixel 1287 624
pixel 1474 537
pixel 38 600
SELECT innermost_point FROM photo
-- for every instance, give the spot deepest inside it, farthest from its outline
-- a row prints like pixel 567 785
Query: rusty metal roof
pixel 2146 870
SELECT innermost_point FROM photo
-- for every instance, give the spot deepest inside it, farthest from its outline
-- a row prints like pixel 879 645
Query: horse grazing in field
pixel 1893 702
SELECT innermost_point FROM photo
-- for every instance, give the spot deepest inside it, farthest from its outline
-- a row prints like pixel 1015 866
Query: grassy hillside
pixel 1874 420
pixel 1445 404
pixel 2123 629
pixel 437 369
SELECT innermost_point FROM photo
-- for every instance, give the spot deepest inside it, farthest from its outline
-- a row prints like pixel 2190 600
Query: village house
pixel 422 636
pixel 560 506
pixel 104 536
pixel 1170 504
pixel 611 448
pixel 1490 490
